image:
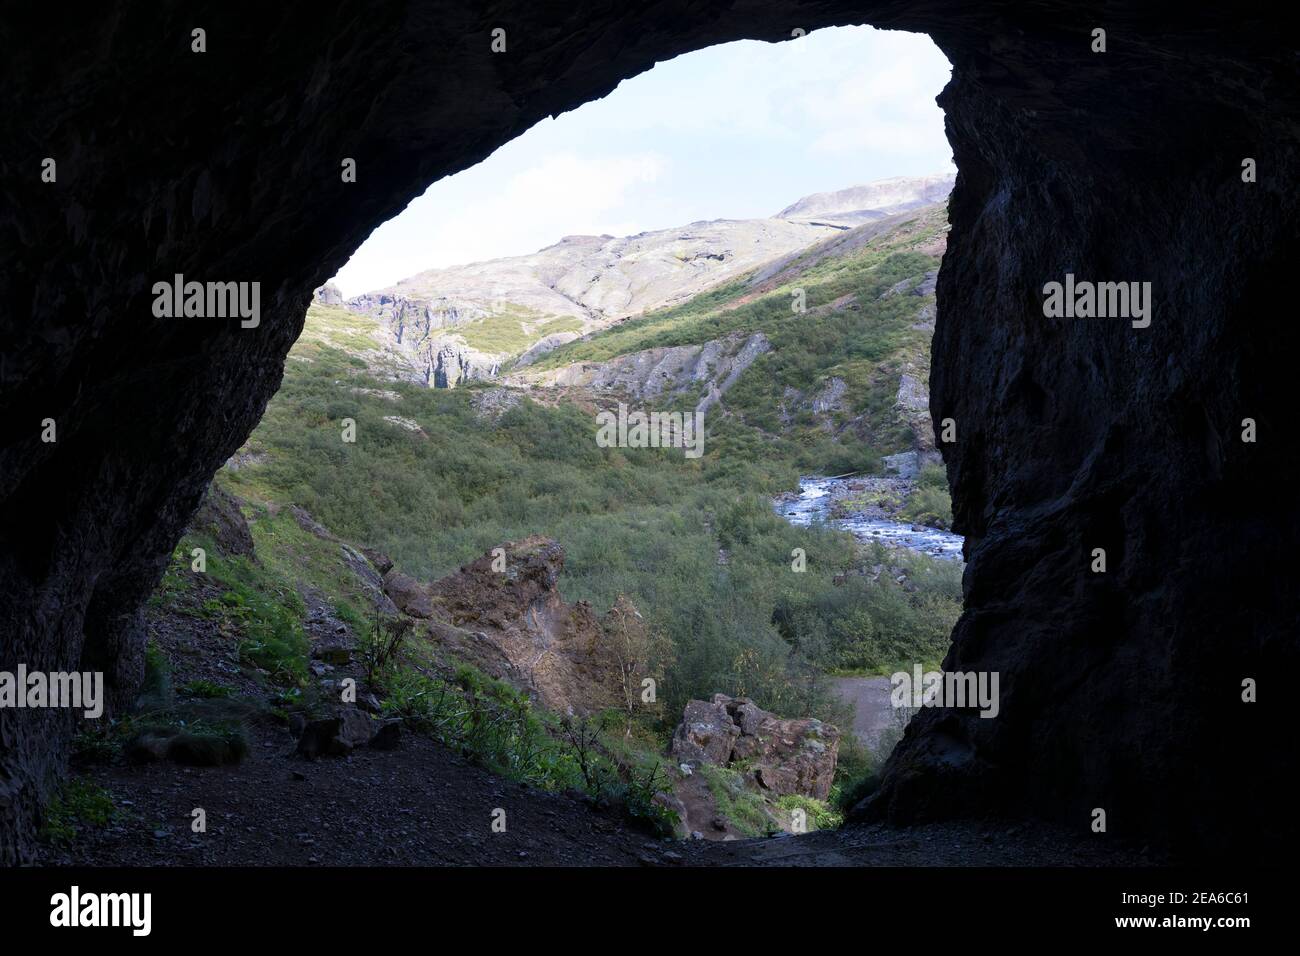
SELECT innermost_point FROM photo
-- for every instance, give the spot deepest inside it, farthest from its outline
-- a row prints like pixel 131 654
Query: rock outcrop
pixel 711 368
pixel 328 294
pixel 859 204
pixel 1120 690
pixel 781 755
pixel 504 614
pixel 219 516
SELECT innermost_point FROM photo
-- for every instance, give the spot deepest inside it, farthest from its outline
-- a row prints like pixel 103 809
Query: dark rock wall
pixel 1123 690
pixel 1119 692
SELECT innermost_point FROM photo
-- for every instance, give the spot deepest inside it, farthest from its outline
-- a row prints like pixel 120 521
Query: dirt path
pixel 423 805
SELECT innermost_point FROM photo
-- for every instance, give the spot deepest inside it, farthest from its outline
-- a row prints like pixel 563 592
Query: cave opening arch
pixel 1071 160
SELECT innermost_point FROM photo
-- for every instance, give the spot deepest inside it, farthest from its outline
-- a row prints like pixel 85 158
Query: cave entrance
pixel 1070 430
pixel 667 354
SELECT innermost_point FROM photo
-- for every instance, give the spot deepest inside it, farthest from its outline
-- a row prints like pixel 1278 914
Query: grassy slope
pixel 864 343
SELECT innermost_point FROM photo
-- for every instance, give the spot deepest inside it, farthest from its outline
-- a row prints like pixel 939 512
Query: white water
pixel 812 506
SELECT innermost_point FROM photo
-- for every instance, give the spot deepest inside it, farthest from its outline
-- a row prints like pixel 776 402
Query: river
pixel 816 496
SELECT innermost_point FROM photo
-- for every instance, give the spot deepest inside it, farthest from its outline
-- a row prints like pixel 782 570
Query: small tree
pixel 378 648
pixel 639 652
pixel 584 738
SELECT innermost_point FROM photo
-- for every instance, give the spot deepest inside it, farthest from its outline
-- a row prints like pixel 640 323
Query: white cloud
pixel 741 129
pixel 571 188
pixel 560 194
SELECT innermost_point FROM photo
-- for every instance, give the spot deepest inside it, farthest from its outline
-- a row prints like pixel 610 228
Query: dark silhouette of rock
pixel 1120 690
pixel 337 736
pixel 220 518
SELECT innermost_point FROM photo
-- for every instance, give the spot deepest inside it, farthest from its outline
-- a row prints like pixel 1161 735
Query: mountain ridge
pixel 469 322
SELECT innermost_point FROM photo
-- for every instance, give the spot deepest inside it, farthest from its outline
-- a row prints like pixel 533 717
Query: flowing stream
pixel 813 506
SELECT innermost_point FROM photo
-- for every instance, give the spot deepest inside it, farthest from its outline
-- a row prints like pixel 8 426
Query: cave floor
pixel 423 805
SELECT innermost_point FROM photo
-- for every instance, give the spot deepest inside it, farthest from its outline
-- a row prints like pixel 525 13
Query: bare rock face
pixel 505 613
pixel 785 756
pixel 707 733
pixel 328 294
pixel 858 204
pixel 714 366
pixel 583 283
pixel 407 594
pixel 1120 690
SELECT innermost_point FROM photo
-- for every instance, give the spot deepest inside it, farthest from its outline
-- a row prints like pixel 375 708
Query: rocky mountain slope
pixel 467 322
pixel 858 204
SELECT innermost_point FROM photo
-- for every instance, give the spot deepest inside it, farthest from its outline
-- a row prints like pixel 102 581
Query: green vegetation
pixel 738 802
pixel 335 327
pixel 207 690
pixel 858 330
pixel 499 728
pixel 870 624
pixel 79 804
pixel 931 502
pixel 513 330
pixel 818 815
pixel 694 544
pixel 645 523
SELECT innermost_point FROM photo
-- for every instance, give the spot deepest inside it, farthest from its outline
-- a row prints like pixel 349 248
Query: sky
pixel 735 131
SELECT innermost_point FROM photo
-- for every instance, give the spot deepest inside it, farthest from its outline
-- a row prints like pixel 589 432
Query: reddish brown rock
pixel 514 623
pixel 786 755
pixel 707 733
pixel 408 594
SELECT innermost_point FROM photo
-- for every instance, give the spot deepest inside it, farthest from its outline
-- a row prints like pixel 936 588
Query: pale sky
pixel 736 131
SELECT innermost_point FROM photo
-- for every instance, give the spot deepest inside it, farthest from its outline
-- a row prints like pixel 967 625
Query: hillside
pixel 469 322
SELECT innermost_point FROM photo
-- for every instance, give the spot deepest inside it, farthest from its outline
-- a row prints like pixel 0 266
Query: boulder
pixel 407 594
pixel 219 516
pixel 707 733
pixel 786 755
pixel 504 613
pixel 382 562
pixel 337 736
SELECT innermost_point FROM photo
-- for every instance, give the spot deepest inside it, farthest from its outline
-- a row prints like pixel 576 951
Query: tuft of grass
pixel 736 801
pixel 818 814
pixel 78 805
pixel 930 503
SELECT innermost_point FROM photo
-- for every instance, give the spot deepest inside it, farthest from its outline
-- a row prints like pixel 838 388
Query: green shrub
pixel 78 804
pixel 819 815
